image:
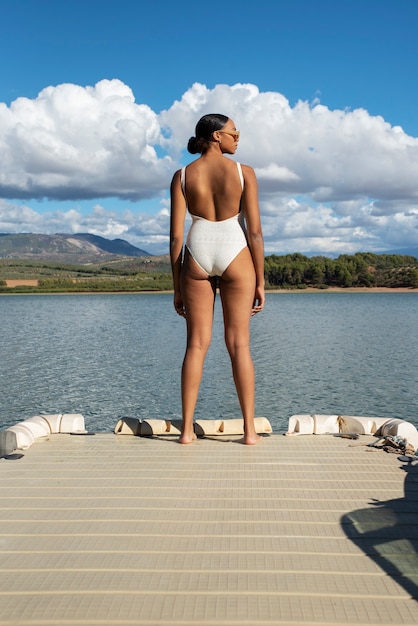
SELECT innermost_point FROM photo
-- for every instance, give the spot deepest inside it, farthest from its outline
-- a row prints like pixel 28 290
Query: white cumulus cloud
pixel 81 142
pixel 330 181
pixel 326 177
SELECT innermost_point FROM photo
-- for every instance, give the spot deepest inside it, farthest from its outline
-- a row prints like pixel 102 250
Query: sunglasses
pixel 233 133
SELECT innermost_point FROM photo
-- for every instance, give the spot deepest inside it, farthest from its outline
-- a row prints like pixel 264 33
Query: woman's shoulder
pixel 177 177
pixel 248 172
pixel 247 168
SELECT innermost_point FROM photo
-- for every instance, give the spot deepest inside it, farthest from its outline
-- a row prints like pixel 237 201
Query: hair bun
pixel 192 146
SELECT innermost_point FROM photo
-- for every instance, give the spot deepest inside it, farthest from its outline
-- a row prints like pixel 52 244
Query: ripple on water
pixel 108 356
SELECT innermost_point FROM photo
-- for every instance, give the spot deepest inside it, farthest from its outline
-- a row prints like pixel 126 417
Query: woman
pixel 219 194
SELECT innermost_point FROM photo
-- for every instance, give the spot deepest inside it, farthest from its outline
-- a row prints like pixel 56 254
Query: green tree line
pixel 363 269
pixel 290 271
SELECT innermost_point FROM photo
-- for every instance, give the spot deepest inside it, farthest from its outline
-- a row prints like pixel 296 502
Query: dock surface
pixel 111 530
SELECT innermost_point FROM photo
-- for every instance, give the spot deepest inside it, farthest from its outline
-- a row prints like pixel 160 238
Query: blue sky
pixel 99 99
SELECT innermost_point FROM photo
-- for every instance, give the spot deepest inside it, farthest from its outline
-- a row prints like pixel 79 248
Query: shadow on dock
pixel 388 533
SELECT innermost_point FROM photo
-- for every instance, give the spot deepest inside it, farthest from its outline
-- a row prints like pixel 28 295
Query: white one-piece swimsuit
pixel 214 244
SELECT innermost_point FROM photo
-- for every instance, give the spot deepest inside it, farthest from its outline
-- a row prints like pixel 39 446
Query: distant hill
pixel 78 248
pixel 334 255
pixel 403 252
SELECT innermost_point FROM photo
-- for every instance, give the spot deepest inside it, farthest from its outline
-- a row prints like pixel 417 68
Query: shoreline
pixel 347 290
pixel 283 291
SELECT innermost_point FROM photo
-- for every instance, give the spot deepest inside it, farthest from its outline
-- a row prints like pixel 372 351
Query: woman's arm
pixel 254 233
pixel 177 217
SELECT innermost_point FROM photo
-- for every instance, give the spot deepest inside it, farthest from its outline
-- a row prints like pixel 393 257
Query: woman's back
pixel 213 188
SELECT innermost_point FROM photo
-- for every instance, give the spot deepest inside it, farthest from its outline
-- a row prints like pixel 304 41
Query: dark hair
pixel 207 125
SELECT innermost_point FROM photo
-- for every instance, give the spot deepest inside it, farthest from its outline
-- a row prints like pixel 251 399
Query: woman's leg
pixel 237 287
pixel 198 292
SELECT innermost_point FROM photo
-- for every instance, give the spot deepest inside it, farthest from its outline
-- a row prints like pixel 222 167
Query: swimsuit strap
pixel 183 180
pixel 241 177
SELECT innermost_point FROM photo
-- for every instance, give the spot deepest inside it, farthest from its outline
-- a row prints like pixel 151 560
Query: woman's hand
pixel 178 304
pixel 259 300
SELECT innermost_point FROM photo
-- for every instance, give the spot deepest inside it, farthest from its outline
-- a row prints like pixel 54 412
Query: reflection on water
pixel 388 533
pixel 109 356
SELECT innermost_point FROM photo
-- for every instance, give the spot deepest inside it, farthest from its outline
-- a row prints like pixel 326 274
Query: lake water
pixel 110 356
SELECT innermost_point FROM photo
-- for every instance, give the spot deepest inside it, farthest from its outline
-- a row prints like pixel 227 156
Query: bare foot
pixel 250 440
pixel 186 438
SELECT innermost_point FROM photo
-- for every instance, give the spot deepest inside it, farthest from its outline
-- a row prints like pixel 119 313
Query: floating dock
pixel 113 530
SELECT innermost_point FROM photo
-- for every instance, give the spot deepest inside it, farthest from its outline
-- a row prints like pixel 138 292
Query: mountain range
pixel 78 248
pixel 87 248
